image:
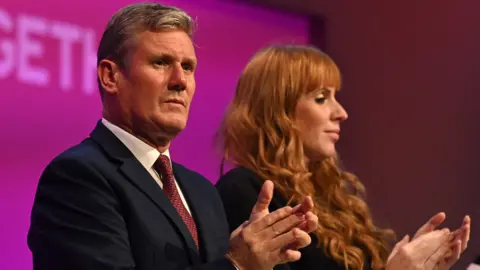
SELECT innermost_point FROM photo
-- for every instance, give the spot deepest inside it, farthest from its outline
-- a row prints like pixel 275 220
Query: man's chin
pixel 162 137
pixel 172 129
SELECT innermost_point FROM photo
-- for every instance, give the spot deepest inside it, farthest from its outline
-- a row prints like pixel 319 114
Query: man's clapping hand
pixel 268 239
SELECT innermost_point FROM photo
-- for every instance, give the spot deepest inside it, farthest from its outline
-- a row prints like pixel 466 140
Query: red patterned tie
pixel 169 187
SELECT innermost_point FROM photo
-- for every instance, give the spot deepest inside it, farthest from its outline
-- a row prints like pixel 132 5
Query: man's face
pixel 157 87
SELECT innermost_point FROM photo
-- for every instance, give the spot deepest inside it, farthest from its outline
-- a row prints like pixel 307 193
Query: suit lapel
pixel 141 178
pixel 199 209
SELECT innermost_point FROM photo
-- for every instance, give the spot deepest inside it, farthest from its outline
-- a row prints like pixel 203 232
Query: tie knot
pixel 163 165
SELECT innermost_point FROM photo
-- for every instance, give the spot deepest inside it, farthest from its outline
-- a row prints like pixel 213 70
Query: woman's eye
pixel 320 100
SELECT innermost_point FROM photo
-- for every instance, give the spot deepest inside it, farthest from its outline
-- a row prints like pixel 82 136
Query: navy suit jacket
pixel 96 207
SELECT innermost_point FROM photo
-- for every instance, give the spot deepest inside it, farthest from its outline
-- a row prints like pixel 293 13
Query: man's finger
pixel 262 223
pixel 305 206
pixel 303 239
pixel 431 224
pixel 293 236
pixel 288 256
pixel 310 224
pixel 264 198
pixel 281 227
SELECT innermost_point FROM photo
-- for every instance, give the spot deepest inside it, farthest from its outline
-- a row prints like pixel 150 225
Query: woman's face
pixel 318 116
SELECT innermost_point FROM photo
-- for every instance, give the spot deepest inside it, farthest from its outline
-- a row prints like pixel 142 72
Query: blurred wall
pixel 411 72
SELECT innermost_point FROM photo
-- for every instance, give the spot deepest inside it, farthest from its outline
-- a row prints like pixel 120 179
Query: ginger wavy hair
pixel 259 133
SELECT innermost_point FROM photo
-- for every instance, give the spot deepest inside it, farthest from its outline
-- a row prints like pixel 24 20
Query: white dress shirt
pixel 146 154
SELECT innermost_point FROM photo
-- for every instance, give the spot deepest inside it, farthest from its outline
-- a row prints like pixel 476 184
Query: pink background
pixel 49 98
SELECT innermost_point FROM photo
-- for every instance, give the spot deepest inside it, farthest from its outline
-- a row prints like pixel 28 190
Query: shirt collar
pixel 146 154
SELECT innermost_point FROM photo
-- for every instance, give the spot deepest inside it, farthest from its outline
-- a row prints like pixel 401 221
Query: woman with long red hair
pixel 282 125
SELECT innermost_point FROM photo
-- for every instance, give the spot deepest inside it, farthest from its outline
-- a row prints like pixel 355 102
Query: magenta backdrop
pixel 49 100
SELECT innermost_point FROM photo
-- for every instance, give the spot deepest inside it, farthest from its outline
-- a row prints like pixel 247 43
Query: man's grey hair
pixel 127 22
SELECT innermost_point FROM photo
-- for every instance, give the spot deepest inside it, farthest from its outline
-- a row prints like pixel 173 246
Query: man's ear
pixel 108 73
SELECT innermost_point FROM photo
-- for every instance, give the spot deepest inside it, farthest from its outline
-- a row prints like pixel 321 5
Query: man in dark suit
pixel 116 201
